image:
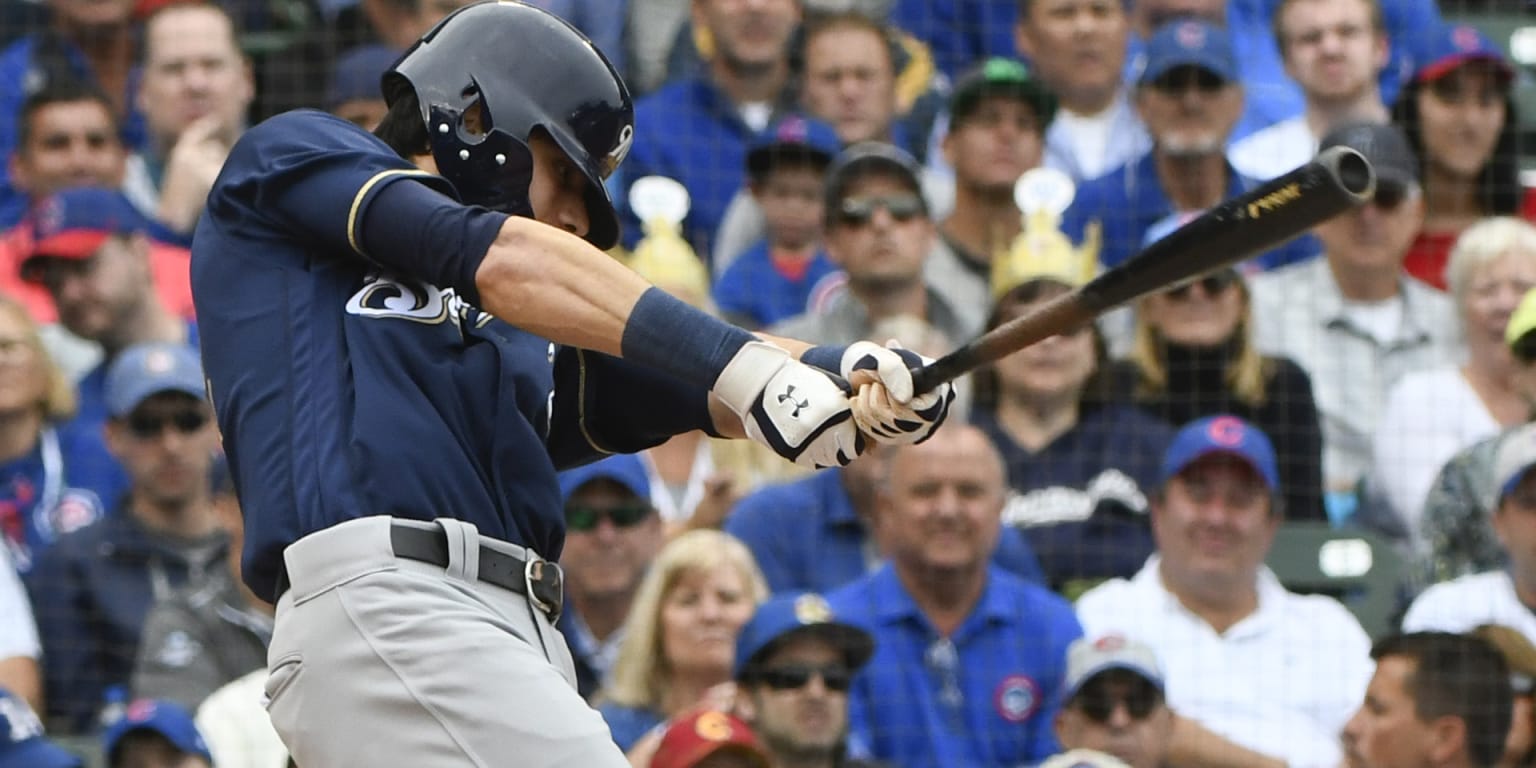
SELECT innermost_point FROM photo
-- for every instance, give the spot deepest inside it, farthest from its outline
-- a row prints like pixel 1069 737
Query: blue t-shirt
pixel 806 536
pixel 1130 199
pixel 753 289
pixel 51 491
pixel 629 724
pixel 353 373
pixel 985 696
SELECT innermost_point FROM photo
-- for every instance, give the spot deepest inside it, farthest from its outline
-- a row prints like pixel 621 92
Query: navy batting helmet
pixel 526 69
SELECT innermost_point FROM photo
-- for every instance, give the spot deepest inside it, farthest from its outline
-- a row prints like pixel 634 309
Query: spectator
pixel 1458 539
pixel 198 640
pixel 1077 458
pixel 1218 618
pixel 84 42
pixel 94 587
pixel 1334 50
pixel 111 283
pixel 1520 656
pixel 612 535
pixel 1458 112
pixel 777 277
pixel 813 534
pixel 1077 48
pixel 709 738
pixel 697 130
pixel 51 472
pixel 1436 699
pixel 879 232
pixel 680 636
pixel 236 727
pixel 1113 702
pixel 968 659
pixel 1431 414
pixel 997 119
pixel 19 647
pixel 1194 356
pixel 1353 319
pixel 1189 97
pixel 22 743
pixel 354 94
pixel 602 21
pixel 794 664
pixel 155 734
pixel 197 86
pixel 1506 594
pixel 849 78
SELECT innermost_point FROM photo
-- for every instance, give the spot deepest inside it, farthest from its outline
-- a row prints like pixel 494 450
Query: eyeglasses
pixel 857 211
pixel 1211 284
pixel 1180 79
pixel 148 426
pixel 580 517
pixel 1096 703
pixel 795 676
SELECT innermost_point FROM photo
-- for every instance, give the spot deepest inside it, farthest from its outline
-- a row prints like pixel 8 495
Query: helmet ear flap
pixel 491 169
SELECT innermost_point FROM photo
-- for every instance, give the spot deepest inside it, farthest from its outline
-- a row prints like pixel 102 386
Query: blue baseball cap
pixel 358 72
pixel 149 369
pixel 22 743
pixel 74 223
pixel 1221 434
pixel 1189 42
pixel 794 614
pixel 160 716
pixel 1438 51
pixel 793 138
pixel 624 469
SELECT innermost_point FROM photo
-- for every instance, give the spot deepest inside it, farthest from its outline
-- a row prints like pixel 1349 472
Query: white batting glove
pixel 891 413
pixel 789 406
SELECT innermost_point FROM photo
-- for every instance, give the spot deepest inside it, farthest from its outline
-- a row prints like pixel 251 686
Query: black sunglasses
pixel 1212 284
pixel 147 426
pixel 583 518
pixel 795 676
pixel 857 211
pixel 1096 703
pixel 1181 79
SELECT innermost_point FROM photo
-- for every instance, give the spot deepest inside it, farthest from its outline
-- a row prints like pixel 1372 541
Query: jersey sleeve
pixel 604 405
pixel 314 178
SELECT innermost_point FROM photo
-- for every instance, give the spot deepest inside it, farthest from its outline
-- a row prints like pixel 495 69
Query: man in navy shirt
pixel 968 658
pixel 387 368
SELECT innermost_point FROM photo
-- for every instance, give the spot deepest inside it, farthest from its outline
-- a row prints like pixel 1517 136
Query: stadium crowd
pixel 1095 564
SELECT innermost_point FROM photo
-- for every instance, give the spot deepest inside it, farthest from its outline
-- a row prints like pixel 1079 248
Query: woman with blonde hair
pixel 680 637
pixel 1193 356
pixel 1431 415
pixel 49 470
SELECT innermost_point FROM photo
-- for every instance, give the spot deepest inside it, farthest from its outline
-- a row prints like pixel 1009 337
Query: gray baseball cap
pixel 1384 145
pixel 1087 658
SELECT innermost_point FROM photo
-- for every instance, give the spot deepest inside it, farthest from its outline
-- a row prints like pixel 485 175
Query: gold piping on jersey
pixel 357 201
pixel 581 402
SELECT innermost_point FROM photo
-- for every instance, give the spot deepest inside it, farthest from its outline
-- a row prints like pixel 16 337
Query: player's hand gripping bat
pixel 1337 180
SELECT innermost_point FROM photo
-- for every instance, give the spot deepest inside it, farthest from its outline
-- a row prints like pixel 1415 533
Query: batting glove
pixel 902 417
pixel 791 407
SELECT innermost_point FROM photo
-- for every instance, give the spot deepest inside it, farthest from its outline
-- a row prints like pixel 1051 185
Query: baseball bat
pixel 1336 180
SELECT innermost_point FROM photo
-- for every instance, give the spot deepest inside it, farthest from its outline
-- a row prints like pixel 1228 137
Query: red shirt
pixel 1431 250
pixel 169 263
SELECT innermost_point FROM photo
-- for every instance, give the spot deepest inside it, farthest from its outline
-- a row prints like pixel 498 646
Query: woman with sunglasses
pixel 680 637
pixel 1458 113
pixel 1432 414
pixel 1193 356
pixel 1080 462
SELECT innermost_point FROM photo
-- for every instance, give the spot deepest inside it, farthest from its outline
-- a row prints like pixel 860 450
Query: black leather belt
pixel 539 580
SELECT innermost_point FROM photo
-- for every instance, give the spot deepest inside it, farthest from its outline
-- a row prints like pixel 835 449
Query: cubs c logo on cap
pixel 1226 430
pixel 1109 643
pixel 713 726
pixel 1017 698
pixel 1465 38
pixel 1190 35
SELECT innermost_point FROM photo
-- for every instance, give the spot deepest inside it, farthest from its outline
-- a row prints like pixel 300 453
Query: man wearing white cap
pixel 1113 704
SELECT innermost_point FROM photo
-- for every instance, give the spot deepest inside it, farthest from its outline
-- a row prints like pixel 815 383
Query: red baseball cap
pixel 696 735
pixel 74 223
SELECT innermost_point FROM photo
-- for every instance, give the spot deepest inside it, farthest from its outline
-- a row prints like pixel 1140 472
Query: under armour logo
pixel 789 396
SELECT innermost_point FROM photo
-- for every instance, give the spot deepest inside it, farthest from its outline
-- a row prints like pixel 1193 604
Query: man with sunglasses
pixel 1189 95
pixel 94 588
pixel 1355 320
pixel 794 664
pixel 1113 702
pixel 611 535
pixel 879 231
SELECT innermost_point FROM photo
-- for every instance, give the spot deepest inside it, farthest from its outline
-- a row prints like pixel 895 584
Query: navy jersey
pixel 353 374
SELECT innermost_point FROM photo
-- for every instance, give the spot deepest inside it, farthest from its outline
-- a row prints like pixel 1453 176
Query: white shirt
pixel 1429 417
pixel 234 722
pixel 18 631
pixel 1274 150
pixel 1089 146
pixel 1465 603
pixel 1282 681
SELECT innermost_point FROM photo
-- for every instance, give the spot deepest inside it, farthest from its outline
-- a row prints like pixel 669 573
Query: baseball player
pixel 405 334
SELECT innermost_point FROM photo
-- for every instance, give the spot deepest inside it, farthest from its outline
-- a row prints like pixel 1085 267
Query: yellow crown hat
pixel 662 256
pixel 1042 251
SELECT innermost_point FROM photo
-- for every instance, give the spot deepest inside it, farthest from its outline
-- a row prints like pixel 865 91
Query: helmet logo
pixel 620 150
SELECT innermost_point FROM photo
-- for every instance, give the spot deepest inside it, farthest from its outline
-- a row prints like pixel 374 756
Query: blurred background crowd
pixel 1281 514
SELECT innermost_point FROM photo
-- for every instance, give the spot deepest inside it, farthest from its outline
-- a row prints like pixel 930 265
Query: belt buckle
pixel 546 586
